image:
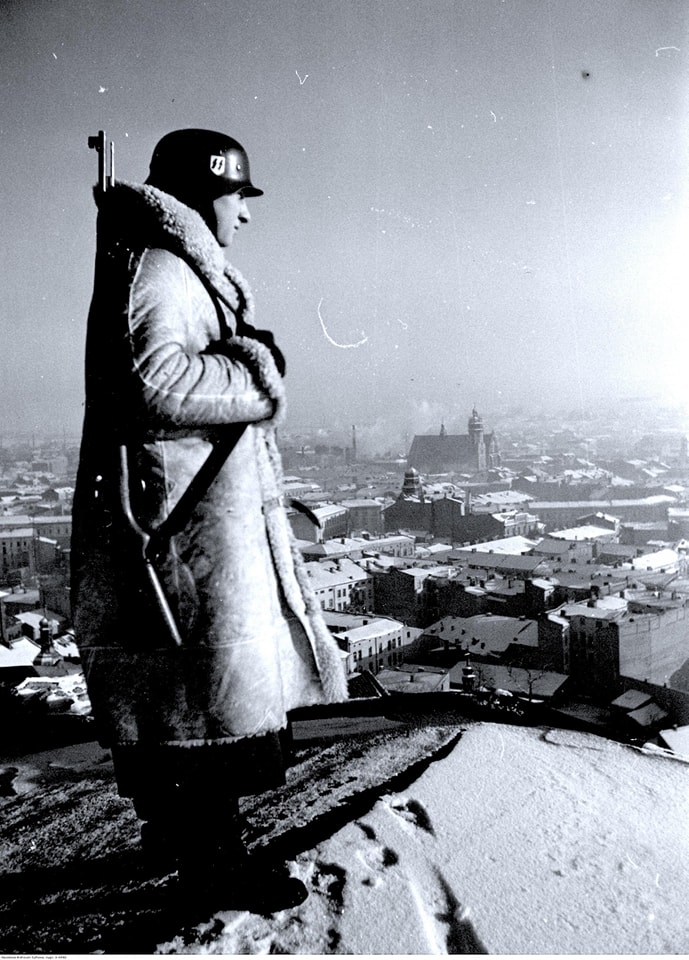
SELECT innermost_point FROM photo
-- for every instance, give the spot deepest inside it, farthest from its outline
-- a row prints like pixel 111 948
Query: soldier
pixel 195 652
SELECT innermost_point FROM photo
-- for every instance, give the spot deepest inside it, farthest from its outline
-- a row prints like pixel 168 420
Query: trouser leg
pixel 188 818
pixel 192 823
pixel 155 794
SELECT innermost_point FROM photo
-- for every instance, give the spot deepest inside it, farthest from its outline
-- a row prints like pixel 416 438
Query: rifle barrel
pixel 106 159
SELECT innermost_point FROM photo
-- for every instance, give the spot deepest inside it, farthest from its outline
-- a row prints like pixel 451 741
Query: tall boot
pixel 216 869
pixel 160 828
pixel 209 843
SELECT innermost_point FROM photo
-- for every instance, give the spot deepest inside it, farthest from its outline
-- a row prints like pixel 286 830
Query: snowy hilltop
pixel 485 838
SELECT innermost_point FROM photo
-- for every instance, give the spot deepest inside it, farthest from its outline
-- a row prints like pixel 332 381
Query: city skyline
pixel 465 202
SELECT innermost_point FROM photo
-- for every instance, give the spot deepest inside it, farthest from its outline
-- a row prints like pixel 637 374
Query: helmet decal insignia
pixel 217 165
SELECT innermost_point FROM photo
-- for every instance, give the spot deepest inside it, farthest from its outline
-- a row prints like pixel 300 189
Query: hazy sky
pixel 465 200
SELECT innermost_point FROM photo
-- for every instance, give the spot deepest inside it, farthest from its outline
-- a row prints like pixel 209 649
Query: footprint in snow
pixel 369 832
pixel 375 856
pixel 330 879
pixel 413 812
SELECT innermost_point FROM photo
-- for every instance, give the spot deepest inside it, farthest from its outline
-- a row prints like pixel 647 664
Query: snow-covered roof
pixel 370 630
pixel 71 687
pixel 18 533
pixel 332 548
pixel 586 532
pixel 33 618
pixel 329 573
pixel 602 608
pixel 421 680
pixel 512 546
pixel 471 557
pixel 485 633
pixel 543 684
pixel 656 560
pixel 22 653
pixel 631 700
pixel 501 497
pixel 677 740
pixel 649 715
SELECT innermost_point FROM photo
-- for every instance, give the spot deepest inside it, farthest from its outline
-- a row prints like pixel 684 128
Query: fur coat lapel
pixel 143 216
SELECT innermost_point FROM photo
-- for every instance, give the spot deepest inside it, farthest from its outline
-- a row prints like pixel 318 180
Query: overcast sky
pixel 466 201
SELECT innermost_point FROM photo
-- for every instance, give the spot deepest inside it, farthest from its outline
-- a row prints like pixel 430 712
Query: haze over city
pixel 466 201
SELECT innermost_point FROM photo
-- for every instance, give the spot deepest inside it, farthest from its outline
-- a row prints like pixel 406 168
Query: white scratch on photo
pixel 342 346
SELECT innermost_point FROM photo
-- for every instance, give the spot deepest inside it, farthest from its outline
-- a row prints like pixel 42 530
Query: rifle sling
pixel 182 511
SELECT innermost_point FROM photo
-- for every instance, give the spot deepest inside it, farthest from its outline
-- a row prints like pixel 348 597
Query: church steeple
pixel 475 427
pixel 477 439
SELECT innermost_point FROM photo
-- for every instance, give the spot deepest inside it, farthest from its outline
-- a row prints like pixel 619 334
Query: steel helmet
pixel 198 166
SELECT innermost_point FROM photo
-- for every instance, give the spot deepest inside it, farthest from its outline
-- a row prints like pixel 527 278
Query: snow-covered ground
pixel 431 840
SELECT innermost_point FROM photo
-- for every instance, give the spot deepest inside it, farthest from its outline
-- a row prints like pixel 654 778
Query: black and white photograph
pixel 344 477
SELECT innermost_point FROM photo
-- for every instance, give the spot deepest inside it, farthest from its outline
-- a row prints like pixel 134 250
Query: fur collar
pixel 142 216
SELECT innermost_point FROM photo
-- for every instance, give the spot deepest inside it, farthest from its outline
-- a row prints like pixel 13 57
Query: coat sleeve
pixel 180 383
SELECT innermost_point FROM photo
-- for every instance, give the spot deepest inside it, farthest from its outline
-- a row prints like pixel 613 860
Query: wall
pixel 653 648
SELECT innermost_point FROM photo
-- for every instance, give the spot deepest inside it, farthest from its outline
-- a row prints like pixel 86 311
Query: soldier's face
pixel 230 213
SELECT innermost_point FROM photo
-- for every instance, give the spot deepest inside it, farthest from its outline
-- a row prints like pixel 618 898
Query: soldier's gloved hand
pixel 268 340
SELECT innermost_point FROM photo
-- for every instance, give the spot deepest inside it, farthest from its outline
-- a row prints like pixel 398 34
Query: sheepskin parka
pixel 173 363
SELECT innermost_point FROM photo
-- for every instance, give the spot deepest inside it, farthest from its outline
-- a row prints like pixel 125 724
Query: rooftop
pixel 330 572
pixel 507 545
pixel 485 633
pixel 585 532
pixel 603 608
pixel 496 561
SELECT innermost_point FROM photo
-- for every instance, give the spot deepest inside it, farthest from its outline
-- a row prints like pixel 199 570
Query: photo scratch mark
pixel 660 49
pixel 342 346
pixel 302 82
pixel 102 89
pixel 495 119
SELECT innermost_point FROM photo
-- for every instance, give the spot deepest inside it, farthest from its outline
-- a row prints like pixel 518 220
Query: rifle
pixel 142 539
pixel 151 547
pixel 106 159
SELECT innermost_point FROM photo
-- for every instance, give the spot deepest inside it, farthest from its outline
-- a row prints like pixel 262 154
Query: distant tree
pixel 532 676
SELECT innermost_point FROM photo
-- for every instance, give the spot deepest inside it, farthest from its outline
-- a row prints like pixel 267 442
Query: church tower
pixel 477 440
